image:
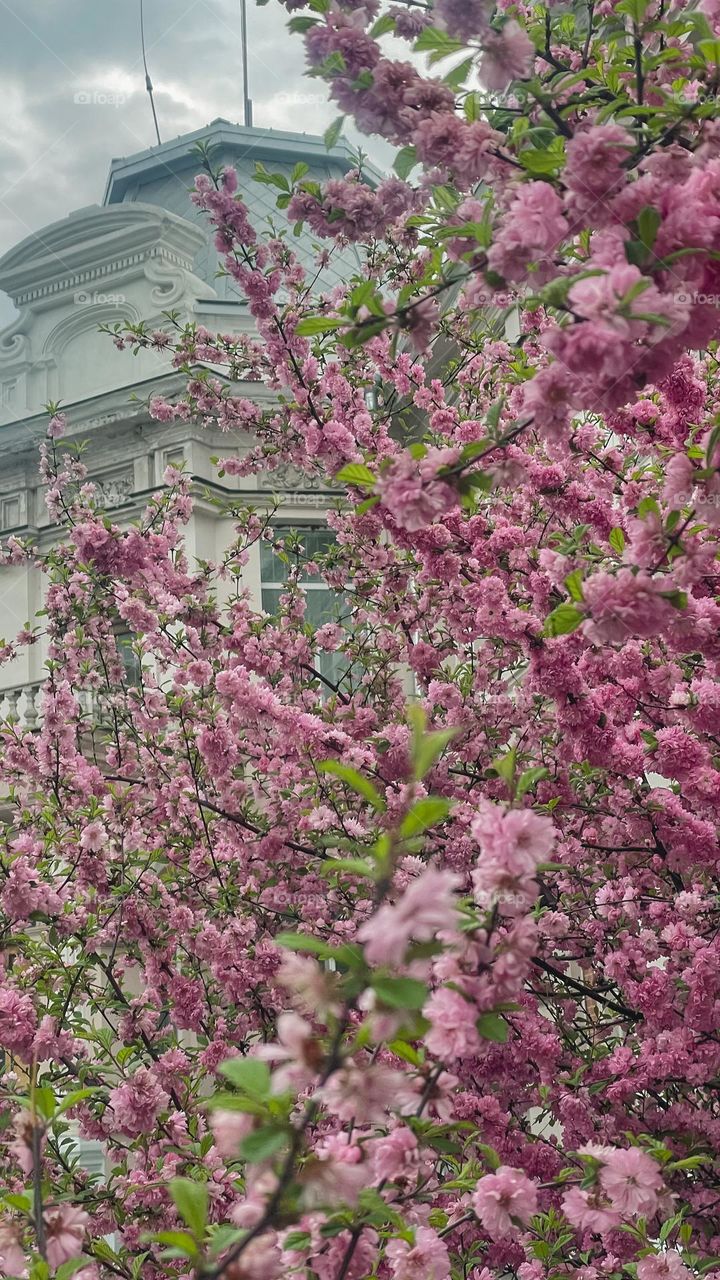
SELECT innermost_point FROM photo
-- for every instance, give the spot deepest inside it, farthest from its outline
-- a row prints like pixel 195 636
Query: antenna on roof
pixel 247 100
pixel 148 81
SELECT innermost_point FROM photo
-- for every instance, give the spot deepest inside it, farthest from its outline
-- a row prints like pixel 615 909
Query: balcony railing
pixel 21 705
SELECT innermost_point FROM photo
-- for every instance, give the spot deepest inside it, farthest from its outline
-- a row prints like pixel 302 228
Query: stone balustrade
pixel 21 705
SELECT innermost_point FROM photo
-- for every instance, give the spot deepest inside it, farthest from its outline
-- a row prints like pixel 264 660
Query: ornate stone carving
pixel 114 489
pixel 286 478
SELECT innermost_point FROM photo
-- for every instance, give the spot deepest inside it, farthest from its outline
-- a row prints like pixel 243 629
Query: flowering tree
pixel 413 973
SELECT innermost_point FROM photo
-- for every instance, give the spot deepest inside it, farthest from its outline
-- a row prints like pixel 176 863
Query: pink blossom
pixel 94 837
pixel 513 842
pixel 297 1046
pixel 368 1095
pixel 663 1266
pixel 588 1211
pixel 623 605
pixel 22 1146
pixel 462 19
pixel 531 232
pixel 453 1033
pixel 57 426
pixel 632 1181
pixel 64 1231
pixel 395 1156
pixel 18 1021
pixel 594 168
pixel 137 1103
pixel 229 1129
pixel 505 1201
pixel 507 56
pixel 12 1255
pixel 426 1259
pixel 427 907
pixel 413 500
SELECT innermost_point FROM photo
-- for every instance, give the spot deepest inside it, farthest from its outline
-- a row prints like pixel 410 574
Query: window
pixel 7 393
pixel 9 512
pixel 304 544
pixel 174 457
pixel 128 657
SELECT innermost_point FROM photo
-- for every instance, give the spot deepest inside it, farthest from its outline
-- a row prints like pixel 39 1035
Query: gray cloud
pixel 74 93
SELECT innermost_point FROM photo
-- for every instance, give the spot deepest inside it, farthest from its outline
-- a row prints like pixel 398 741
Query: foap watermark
pixel 698 498
pixel 99 98
pixel 84 299
pixel 688 297
pixel 300 99
pixel 495 298
pixel 513 901
pixel 293 498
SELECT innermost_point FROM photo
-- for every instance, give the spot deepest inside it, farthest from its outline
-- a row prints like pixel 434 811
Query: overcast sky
pixel 74 93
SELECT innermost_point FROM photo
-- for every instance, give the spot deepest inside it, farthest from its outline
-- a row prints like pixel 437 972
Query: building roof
pixel 246 144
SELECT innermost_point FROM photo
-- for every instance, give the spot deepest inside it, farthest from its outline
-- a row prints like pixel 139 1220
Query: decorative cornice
pixel 99 272
pixel 92 244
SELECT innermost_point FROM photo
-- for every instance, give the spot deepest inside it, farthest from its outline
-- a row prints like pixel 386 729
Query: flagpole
pixel 247 101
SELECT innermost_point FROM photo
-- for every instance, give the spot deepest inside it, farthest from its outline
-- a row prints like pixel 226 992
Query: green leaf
pixel 249 1074
pixel 332 134
pixel 678 599
pixel 456 78
pixel 356 474
pixel 103 1253
pixel 563 620
pixel 68 1269
pixel 363 786
pixel 191 1201
pixel 493 414
pixel 475 449
pixel 354 866
pixel 529 779
pixel 181 1240
pixel 401 993
pixel 72 1099
pixel 300 24
pixel 428 748
pixel 710 51
pixel 312 325
pixel 44 1099
pixel 540 161
pixel 21 1200
pixel 297 1240
pixel 490 1155
pixel 573 585
pixel 648 507
pixel 425 813
pixel 617 540
pixel 226 1101
pixel 648 221
pixel 406 1051
pixel 262 1143
pixel 270 179
pixel 405 162
pixel 382 26
pixel 368 503
pixel 303 942
pixel 492 1027
pixel 504 766
pixel 437 44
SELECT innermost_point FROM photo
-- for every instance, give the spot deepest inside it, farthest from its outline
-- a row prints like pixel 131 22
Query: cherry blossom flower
pixel 504 1201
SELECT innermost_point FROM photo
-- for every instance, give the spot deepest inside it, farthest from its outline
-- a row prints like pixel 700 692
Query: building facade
pixel 144 251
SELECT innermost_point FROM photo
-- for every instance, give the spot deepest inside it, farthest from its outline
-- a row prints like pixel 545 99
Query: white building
pixel 144 251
